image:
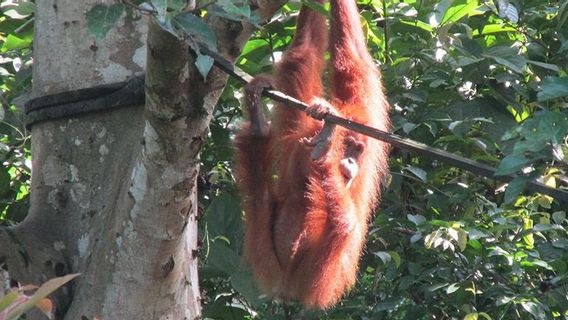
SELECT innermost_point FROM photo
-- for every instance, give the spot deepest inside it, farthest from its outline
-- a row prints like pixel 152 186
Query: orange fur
pixel 306 228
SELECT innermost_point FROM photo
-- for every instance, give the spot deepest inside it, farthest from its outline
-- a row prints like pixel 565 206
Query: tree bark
pixel 113 194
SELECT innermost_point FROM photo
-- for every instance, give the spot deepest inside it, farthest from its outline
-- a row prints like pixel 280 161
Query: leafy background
pixel 16 33
pixel 483 79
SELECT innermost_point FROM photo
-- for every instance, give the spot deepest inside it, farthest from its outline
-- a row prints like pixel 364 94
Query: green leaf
pixel 471 316
pixel 4 73
pixel 395 257
pixel 508 11
pixel 407 127
pixel 25 8
pixel 511 164
pixel 559 217
pixel 529 237
pixel 223 258
pixel 388 304
pixel 243 282
pixel 493 28
pixel 440 223
pixel 542 264
pixel 458 10
pixel 14 43
pixel 545 201
pixel 384 256
pixel 552 125
pixel 475 244
pixel 515 187
pixel 42 292
pixel 498 251
pixel 253 45
pixel 562 15
pixel 204 64
pixel 452 288
pixel 535 143
pixel 542 227
pixel 418 172
pixel 406 282
pixel 552 88
pixel 196 28
pixel 233 10
pixel 503 300
pixel 535 309
pixel 416 219
pixel 462 239
pixel 161 7
pixel 543 65
pixel 178 5
pixel 418 24
pixel 508 57
pixel 436 286
pixel 101 18
pixel 415 268
pixel 224 218
pixel 515 63
pixel 229 7
pixel 485 315
pixel 7 300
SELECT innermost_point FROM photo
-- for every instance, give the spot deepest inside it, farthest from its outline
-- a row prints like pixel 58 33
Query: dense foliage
pixel 16 31
pixel 483 79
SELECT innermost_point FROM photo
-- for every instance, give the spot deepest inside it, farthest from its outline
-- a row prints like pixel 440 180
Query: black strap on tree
pixel 122 94
pixel 96 99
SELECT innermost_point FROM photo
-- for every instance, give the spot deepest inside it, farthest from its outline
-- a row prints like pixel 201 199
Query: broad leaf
pixel 204 64
pixel 101 18
pixel 42 292
pixel 515 187
pixel 196 28
pixel 552 88
pixel 511 164
pixel 14 43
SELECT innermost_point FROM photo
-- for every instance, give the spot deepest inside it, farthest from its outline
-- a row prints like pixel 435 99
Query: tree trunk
pixel 113 194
